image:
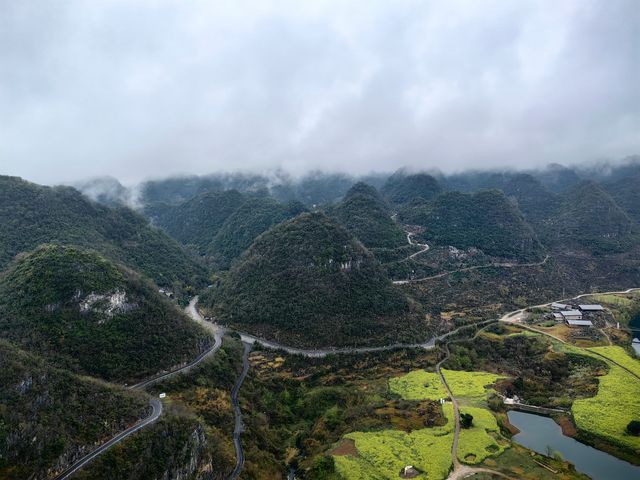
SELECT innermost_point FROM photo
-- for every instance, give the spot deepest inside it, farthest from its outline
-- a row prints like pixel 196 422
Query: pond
pixel 537 433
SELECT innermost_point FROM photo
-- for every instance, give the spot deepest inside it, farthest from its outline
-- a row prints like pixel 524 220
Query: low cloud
pixel 155 88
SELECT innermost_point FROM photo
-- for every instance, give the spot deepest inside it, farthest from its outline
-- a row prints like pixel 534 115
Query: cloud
pixel 152 88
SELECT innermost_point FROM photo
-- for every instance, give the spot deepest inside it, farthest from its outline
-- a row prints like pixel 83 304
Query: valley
pixel 387 334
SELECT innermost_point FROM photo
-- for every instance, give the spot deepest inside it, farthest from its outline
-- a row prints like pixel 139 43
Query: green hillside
pixel 558 178
pixel 626 193
pixel 241 228
pixel 32 214
pixel 401 188
pixel 198 220
pixel 365 214
pixel 486 220
pixel 80 310
pixel 308 280
pixel 588 218
pixel 48 416
pixel 534 200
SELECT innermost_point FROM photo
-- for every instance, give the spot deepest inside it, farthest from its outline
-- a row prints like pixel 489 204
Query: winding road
pixel 156 411
pixel 154 403
pixel 459 471
pixel 468 269
pixel 239 427
pixel 424 246
pixel 517 316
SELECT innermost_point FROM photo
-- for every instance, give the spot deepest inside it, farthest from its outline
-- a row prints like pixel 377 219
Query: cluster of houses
pixel 575 316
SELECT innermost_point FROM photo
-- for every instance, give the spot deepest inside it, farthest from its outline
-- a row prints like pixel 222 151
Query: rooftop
pixel 580 323
pixel 591 307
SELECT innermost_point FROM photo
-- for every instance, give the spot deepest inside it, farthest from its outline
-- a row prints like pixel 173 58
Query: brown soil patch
pixel 504 422
pixel 345 447
pixel 567 425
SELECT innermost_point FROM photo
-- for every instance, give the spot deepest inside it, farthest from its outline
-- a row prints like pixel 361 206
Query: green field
pixel 477 443
pixel 470 387
pixel 383 454
pixel 418 385
pixel 617 402
pixel 611 299
pixel 620 356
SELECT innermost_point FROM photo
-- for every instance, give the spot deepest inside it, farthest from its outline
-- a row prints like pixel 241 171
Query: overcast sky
pixel 136 89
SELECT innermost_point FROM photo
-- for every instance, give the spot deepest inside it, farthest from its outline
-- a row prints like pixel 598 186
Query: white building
pixel 571 314
pixel 591 308
pixel 560 306
pixel 579 323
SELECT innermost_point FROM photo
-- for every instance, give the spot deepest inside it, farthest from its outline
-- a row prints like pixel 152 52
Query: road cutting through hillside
pixel 460 470
pixel 468 269
pixel 154 403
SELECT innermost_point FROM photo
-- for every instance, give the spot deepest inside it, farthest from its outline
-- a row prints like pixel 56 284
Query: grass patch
pixel 470 387
pixel 478 442
pixel 612 300
pixel 418 385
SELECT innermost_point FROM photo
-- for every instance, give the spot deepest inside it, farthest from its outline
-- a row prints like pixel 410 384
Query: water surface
pixel 537 433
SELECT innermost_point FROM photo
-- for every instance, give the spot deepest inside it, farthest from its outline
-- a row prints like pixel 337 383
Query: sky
pixel 140 89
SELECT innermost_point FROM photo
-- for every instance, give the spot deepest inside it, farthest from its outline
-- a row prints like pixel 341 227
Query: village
pixel 574 321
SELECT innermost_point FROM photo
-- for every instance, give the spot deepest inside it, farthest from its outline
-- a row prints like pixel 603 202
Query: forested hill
pixel 589 219
pixel 401 188
pixel 240 229
pixel 533 199
pixel 196 221
pixel 32 214
pixel 626 193
pixel 49 416
pixel 87 314
pixel 366 215
pixel 486 220
pixel 309 280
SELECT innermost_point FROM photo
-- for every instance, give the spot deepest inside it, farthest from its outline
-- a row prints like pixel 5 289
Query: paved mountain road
pixel 156 411
pixel 218 331
pixel 469 269
pixel 156 404
pixel 239 426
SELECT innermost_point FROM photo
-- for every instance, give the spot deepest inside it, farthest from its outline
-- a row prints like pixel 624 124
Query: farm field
pixel 470 387
pixel 620 356
pixel 476 443
pixel 383 454
pixel 615 405
pixel 418 385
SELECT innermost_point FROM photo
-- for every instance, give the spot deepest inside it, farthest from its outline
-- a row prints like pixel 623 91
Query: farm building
pixel 571 314
pixel 557 316
pixel 579 323
pixel 591 308
pixel 560 306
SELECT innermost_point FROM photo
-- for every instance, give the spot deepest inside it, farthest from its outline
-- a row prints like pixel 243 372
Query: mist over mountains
pixel 319 187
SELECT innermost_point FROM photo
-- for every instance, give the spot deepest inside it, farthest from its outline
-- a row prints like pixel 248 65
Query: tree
pixel 466 420
pixel 633 428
